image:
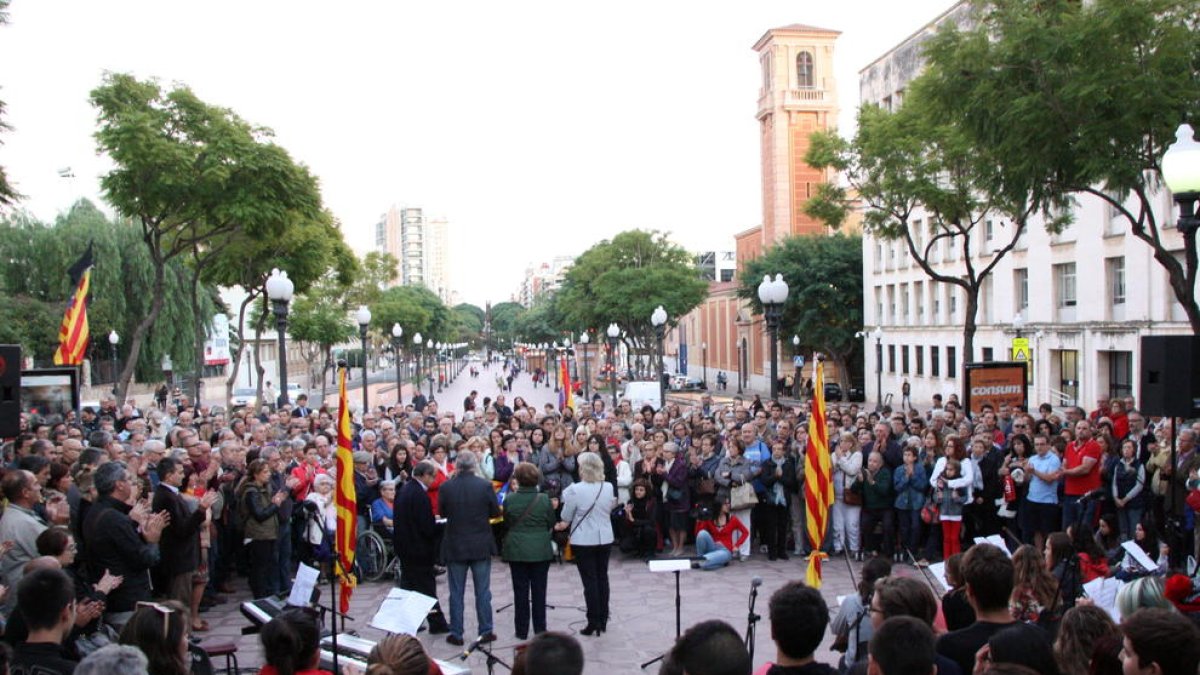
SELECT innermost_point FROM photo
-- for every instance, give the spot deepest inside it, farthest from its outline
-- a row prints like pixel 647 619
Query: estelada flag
pixel 73 334
pixel 818 476
pixel 345 500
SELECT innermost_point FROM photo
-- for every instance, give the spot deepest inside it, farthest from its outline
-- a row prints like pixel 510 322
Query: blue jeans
pixel 714 554
pixel 1127 519
pixel 283 553
pixel 1073 511
pixel 481 578
pixel 910 530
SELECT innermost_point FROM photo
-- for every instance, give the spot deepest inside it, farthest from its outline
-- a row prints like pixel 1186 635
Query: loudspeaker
pixel 10 390
pixel 1170 375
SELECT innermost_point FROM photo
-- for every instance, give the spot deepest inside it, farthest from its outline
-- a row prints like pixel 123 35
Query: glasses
pixel 165 611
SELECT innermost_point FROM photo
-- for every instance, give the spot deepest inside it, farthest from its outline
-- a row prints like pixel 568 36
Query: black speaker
pixel 10 390
pixel 1170 375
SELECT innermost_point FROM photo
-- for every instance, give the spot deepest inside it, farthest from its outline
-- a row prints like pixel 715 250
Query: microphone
pixel 1098 493
pixel 471 648
pixel 756 582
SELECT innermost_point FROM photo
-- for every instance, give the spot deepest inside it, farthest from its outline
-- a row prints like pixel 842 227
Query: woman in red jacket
pixel 715 539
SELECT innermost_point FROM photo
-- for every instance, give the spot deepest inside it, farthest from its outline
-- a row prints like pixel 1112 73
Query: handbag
pixel 742 497
pixel 930 514
pixel 850 497
pixel 706 487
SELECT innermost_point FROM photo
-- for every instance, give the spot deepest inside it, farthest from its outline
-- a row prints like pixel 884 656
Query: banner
pixel 996 383
pixel 345 499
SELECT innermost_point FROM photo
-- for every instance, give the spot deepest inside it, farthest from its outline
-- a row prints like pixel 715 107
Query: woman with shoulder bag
pixel 847 504
pixel 528 518
pixel 586 515
pixel 735 484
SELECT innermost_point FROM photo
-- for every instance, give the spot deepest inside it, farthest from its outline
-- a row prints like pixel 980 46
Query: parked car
pixel 833 391
pixel 295 390
pixel 242 398
pixel 856 394
pixel 685 383
pixel 643 392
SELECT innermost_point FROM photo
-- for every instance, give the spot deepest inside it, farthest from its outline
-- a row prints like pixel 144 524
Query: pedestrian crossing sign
pixel 1020 349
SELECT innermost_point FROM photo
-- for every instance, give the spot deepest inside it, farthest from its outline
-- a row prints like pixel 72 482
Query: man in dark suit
pixel 180 544
pixel 301 409
pixel 416 536
pixel 467 502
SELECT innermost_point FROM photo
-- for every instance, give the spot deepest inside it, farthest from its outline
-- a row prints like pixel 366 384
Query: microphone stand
pixel 751 620
pixel 924 572
pixel 492 659
pixel 678 621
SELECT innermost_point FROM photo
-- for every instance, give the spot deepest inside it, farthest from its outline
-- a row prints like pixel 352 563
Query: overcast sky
pixel 536 128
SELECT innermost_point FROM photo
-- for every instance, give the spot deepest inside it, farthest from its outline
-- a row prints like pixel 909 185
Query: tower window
pixel 804 70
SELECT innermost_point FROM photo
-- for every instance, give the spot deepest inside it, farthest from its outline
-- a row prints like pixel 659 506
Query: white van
pixel 642 393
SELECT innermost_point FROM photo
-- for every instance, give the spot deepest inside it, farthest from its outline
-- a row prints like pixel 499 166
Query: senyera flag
pixel 73 334
pixel 345 499
pixel 818 476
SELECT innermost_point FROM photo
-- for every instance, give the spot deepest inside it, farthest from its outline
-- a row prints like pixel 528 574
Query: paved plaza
pixel 642 624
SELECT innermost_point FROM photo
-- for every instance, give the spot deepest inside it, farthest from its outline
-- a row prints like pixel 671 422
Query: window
pixel 1120 374
pixel 1116 279
pixel 878 304
pixel 903 305
pixel 989 354
pixel 1064 281
pixel 1021 288
pixel 726 276
pixel 878 256
pixel 920 350
pixel 953 303
pixel 804 70
pixel 951 362
pixel 934 364
pixel 919 297
pixel 766 71
pixel 904 359
pixel 891 358
pixel 950 253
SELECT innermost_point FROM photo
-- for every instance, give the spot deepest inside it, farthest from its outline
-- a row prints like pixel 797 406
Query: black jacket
pixel 467 502
pixel 415 531
pixel 180 544
pixel 115 545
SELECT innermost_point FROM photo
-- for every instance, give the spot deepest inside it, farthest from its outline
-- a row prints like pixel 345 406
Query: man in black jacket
pixel 122 540
pixel 46 599
pixel 416 536
pixel 180 544
pixel 467 502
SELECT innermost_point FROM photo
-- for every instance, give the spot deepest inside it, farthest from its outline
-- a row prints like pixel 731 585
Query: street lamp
pixel 583 340
pixel 417 365
pixel 658 318
pixel 279 290
pixel 397 332
pixel 613 333
pixel 553 356
pixel 114 339
pixel 798 366
pixel 878 335
pixel 704 352
pixel 740 361
pixel 441 346
pixel 772 295
pixel 1181 173
pixel 364 320
pixel 429 350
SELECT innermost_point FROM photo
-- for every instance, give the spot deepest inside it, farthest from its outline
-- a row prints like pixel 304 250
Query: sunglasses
pixel 165 611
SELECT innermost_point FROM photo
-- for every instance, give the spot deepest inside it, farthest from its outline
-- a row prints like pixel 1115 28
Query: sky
pixel 536 128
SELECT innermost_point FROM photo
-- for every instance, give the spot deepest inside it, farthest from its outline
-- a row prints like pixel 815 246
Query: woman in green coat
pixel 528 517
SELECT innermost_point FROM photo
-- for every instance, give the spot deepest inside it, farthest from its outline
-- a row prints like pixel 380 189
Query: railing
pixel 1059 399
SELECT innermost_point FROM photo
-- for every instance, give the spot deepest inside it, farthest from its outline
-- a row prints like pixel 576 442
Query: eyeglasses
pixel 165 611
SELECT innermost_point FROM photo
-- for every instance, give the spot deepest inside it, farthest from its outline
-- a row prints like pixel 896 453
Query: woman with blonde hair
pixel 1034 597
pixel 400 655
pixel 586 515
pixel 847 469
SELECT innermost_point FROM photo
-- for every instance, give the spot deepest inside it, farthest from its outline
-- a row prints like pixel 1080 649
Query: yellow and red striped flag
pixel 818 476
pixel 566 395
pixel 73 334
pixel 345 499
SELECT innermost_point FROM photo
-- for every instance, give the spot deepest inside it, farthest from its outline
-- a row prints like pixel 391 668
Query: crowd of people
pixel 140 518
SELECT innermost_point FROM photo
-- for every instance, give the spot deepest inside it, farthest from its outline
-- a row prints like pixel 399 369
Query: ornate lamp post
pixel 658 318
pixel 583 340
pixel 441 369
pixel 772 295
pixel 417 364
pixel 613 333
pixel 364 321
pixel 704 352
pixel 429 350
pixel 878 335
pixel 397 332
pixel 279 290
pixel 795 353
pixel 741 360
pixel 114 340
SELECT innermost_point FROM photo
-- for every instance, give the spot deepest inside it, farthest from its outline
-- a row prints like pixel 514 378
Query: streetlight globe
pixel 429 343
pixel 113 338
pixel 417 339
pixel 1181 162
pixel 659 316
pixel 363 315
pixel 703 345
pixel 279 286
pixel 765 296
pixel 397 331
pixel 781 289
pixel 613 330
pixel 1018 321
pixel 583 338
pixel 795 340
pixel 877 333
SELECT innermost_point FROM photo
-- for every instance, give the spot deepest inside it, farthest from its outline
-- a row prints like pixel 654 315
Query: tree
pixel 191 176
pixel 505 318
pixel 319 319
pixel 825 301
pixel 470 319
pixel 1072 98
pixel 621 281
pixel 542 322
pixel 908 160
pixel 378 270
pixel 8 194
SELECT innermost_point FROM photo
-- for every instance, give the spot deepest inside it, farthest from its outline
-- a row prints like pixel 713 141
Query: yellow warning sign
pixel 1020 349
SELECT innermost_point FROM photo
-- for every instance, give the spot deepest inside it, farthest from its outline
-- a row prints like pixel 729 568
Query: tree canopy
pixel 8 194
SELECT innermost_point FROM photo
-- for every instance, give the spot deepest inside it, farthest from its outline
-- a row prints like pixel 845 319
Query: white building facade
pixel 1086 295
pixel 420 244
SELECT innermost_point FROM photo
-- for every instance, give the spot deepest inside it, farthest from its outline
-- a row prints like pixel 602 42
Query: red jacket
pixel 724 535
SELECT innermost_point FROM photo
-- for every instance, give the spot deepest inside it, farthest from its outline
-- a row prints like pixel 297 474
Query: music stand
pixel 675 565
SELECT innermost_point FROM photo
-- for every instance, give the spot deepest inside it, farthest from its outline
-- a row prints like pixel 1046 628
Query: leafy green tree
pixel 542 322
pixel 319 320
pixel 1070 98
pixel 191 175
pixel 470 320
pixel 505 318
pixel 8 194
pixel 825 299
pixel 378 270
pixel 621 281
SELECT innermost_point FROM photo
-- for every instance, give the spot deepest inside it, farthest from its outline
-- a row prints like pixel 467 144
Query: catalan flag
pixel 818 476
pixel 73 334
pixel 566 397
pixel 345 499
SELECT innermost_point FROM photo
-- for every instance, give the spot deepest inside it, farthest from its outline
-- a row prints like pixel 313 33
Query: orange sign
pixel 995 383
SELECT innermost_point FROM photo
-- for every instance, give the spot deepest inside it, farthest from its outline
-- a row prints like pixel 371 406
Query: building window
pixel 920 349
pixel 934 363
pixel 878 256
pixel 951 362
pixel 989 354
pixel 1120 374
pixel 1021 288
pixel 1064 278
pixel 953 303
pixel 766 70
pixel 919 297
pixel 726 276
pixel 804 70
pixel 904 359
pixel 1116 279
pixel 891 358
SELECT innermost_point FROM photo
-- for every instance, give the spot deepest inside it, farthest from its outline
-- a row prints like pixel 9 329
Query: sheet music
pixel 302 587
pixel 1132 549
pixel 995 540
pixel 1103 593
pixel 938 570
pixel 402 611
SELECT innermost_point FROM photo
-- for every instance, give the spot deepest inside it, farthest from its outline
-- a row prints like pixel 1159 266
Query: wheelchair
pixel 375 557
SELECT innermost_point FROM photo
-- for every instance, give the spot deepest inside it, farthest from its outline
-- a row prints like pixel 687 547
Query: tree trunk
pixel 143 327
pixel 259 371
pixel 237 358
pixel 198 331
pixel 968 352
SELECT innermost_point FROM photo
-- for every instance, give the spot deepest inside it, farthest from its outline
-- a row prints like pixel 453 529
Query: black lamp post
pixel 364 322
pixel 878 335
pixel 279 290
pixel 658 318
pixel 397 332
pixel 796 378
pixel 772 295
pixel 417 364
pixel 441 368
pixel 741 348
pixel 704 351
pixel 613 333
pixel 432 377
pixel 584 339
pixel 114 340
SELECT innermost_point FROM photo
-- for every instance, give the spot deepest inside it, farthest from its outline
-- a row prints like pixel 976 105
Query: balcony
pixel 793 99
